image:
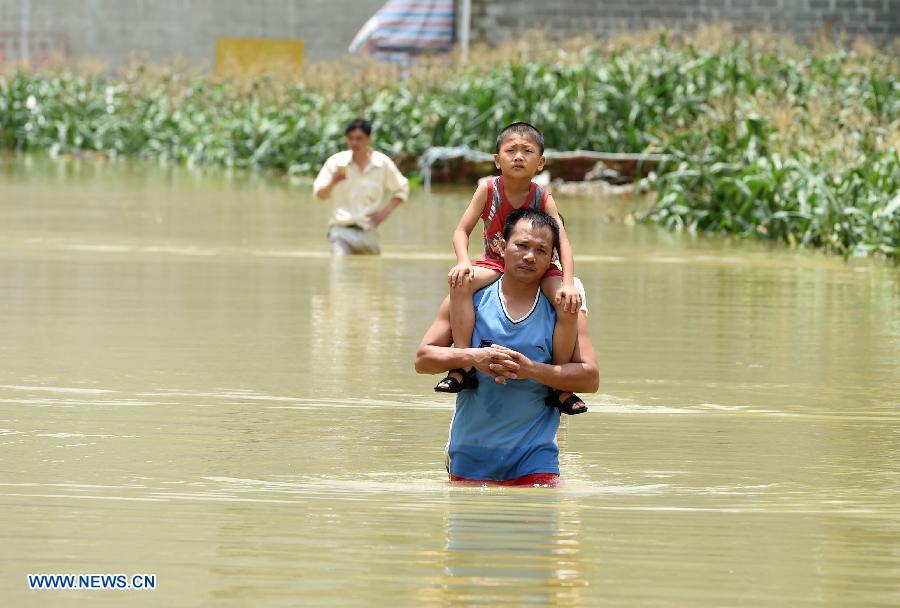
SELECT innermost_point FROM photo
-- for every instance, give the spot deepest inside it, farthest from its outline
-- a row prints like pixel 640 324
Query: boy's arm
pixel 567 295
pixel 467 224
pixel 565 248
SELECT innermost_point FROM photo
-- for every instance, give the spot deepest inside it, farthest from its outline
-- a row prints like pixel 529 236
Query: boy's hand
pixel 569 298
pixel 460 273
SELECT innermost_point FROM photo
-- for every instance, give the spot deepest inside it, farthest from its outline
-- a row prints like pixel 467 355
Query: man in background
pixel 355 181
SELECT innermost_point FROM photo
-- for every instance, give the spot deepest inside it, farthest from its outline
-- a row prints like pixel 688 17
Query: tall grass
pixel 767 137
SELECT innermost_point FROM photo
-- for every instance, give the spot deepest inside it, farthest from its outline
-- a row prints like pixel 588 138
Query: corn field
pixel 766 137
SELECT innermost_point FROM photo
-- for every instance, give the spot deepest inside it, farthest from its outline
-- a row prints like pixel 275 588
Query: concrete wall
pixel 498 20
pixel 111 30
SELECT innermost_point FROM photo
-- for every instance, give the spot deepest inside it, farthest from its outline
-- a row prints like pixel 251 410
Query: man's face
pixel 358 141
pixel 519 156
pixel 528 253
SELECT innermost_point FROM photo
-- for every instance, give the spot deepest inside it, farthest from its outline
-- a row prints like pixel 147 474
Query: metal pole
pixel 465 18
pixel 24 37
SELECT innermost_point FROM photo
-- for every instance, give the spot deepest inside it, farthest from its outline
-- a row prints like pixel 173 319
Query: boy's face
pixel 519 157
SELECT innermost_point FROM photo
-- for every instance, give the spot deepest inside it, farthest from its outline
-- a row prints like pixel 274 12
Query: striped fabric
pixel 407 27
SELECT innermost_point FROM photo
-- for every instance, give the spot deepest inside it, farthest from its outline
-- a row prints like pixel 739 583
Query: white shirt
pixel 361 193
pixel 580 287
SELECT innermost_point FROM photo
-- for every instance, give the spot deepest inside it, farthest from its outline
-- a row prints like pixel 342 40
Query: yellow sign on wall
pixel 250 57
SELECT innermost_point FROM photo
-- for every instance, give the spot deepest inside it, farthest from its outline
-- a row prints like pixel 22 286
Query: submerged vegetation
pixel 764 136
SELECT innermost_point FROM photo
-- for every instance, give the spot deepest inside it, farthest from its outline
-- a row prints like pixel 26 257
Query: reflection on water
pixel 353 317
pixel 192 387
pixel 519 548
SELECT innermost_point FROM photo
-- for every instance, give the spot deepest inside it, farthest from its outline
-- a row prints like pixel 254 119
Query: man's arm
pixel 580 375
pixel 395 182
pixel 437 355
pixel 329 176
pixel 378 217
pixel 398 186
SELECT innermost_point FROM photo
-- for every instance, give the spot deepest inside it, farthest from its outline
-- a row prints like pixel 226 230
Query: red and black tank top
pixel 497 208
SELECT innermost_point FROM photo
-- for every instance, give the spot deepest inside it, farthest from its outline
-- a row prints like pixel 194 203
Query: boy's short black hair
pixel 537 219
pixel 522 128
pixel 359 123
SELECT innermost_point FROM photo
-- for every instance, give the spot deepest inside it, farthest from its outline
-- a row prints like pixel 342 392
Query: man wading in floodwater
pixel 502 431
pixel 355 181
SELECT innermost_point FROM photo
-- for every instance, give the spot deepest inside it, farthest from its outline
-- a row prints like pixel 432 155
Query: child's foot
pixel 567 403
pixel 457 380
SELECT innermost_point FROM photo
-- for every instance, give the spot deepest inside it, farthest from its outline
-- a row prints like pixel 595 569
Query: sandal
pixel 452 385
pixel 567 406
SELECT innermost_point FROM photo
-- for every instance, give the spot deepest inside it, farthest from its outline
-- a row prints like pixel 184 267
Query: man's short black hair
pixel 537 219
pixel 359 123
pixel 521 128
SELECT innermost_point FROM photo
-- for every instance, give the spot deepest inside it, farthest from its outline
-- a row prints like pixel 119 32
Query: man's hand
pixel 569 298
pixel 460 273
pixel 338 176
pixel 377 217
pixel 323 192
pixel 483 359
pixel 499 362
pixel 507 364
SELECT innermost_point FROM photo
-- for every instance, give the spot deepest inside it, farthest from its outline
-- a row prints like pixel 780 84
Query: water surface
pixel 191 387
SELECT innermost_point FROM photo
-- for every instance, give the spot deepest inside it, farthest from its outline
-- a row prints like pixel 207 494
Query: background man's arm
pixel 398 186
pixel 378 217
pixel 329 176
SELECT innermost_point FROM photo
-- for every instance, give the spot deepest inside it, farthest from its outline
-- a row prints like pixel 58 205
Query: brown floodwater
pixel 191 387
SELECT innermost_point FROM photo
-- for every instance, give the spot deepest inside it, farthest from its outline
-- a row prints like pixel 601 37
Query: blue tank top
pixel 498 431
